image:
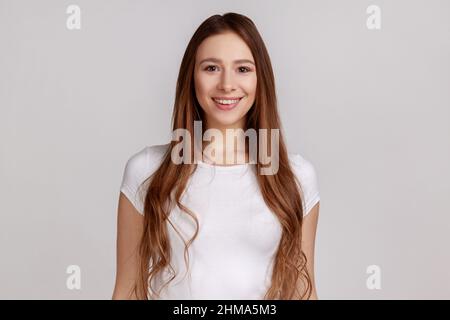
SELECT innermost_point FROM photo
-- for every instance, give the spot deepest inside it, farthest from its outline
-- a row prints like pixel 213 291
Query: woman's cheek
pixel 201 88
pixel 251 88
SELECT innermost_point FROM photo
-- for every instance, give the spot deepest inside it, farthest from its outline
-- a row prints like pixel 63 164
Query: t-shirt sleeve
pixel 307 176
pixel 133 177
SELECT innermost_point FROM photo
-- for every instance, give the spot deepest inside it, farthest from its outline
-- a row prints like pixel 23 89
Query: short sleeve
pixel 139 167
pixel 133 177
pixel 307 176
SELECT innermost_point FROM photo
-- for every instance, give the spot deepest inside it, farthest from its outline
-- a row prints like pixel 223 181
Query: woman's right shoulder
pixel 147 158
pixel 140 166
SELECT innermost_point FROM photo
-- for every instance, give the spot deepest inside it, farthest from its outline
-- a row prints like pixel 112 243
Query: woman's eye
pixel 208 68
pixel 245 69
pixel 214 68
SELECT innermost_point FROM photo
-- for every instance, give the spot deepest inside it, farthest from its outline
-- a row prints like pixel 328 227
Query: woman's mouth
pixel 226 103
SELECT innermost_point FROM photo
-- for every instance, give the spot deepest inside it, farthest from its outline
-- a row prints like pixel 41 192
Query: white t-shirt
pixel 232 256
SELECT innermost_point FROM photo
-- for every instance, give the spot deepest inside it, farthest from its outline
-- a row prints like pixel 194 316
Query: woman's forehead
pixel 227 48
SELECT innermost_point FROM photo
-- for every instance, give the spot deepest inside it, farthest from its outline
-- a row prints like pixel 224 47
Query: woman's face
pixel 225 80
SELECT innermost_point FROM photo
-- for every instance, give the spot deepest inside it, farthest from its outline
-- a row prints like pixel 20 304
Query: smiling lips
pixel 224 103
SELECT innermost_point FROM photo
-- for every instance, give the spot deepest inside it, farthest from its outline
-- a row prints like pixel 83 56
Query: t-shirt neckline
pixel 234 167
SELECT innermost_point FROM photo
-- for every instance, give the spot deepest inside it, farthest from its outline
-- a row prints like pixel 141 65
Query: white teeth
pixel 226 101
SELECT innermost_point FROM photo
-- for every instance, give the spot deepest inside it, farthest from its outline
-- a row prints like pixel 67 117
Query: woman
pixel 215 228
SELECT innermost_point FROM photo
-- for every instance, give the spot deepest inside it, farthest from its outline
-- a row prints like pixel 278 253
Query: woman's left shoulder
pixel 302 165
pixel 307 176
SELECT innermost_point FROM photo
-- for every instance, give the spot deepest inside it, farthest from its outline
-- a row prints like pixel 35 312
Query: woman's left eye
pixel 245 69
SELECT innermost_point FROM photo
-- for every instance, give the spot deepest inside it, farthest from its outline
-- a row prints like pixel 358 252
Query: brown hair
pixel 281 191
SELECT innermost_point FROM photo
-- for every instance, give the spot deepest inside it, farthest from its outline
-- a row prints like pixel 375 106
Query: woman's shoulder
pixel 302 164
pixel 140 166
pixel 307 176
pixel 147 157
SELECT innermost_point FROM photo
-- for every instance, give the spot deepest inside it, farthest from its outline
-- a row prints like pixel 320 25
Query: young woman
pixel 218 229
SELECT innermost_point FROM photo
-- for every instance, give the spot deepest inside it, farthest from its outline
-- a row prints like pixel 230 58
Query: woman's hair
pixel 281 191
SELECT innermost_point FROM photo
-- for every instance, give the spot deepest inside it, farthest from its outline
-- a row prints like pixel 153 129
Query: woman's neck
pixel 225 152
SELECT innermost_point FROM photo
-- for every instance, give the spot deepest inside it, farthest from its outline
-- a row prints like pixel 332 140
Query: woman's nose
pixel 226 82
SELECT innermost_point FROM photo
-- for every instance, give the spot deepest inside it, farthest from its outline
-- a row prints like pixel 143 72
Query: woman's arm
pixel 129 232
pixel 308 242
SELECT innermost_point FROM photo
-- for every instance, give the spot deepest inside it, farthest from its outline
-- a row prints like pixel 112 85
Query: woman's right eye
pixel 208 68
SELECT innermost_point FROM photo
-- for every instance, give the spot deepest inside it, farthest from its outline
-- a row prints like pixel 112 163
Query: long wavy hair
pixel 281 191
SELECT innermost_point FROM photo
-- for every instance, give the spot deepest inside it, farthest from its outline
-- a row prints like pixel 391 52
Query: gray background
pixel 369 108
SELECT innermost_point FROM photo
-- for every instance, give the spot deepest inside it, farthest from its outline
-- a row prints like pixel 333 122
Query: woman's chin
pixel 225 121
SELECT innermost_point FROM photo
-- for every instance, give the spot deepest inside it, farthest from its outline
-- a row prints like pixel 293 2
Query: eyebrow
pixel 219 61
